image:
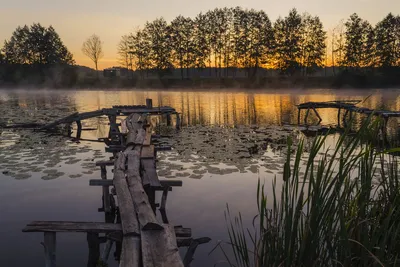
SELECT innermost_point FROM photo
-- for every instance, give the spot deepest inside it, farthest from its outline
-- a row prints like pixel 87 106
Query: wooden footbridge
pixel 349 107
pixel 140 238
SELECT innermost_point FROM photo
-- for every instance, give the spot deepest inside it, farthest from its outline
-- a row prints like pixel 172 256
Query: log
pixel 141 134
pixel 50 249
pixel 159 248
pixel 147 139
pixel 127 209
pixel 130 255
pixel 144 210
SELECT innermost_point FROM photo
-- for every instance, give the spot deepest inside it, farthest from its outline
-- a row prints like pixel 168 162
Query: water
pixel 229 140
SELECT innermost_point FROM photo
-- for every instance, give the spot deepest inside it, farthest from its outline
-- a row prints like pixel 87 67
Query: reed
pixel 343 209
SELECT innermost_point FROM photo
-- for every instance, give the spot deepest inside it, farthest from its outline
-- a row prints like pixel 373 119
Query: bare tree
pixel 92 48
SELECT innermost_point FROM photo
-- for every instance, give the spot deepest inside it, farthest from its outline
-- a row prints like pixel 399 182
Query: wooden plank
pixel 146 216
pixel 105 163
pixel 95 227
pixel 147 152
pixel 130 255
pixel 61 226
pixel 50 249
pixel 150 177
pixel 164 183
pixel 126 208
pixel 133 126
pixel 186 241
pixel 159 248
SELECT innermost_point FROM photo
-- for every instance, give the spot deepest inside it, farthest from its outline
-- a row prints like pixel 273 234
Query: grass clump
pixel 343 209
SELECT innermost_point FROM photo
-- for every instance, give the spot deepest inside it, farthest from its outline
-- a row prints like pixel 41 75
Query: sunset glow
pixel 76 20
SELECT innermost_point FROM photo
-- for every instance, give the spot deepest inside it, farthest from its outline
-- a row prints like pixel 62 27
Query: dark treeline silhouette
pixel 225 40
pixel 36 55
pixel 227 45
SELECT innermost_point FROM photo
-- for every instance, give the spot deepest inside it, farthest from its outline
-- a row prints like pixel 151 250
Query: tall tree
pixel 313 44
pixel 388 41
pixel 125 53
pixel 201 41
pixel 93 49
pixel 358 48
pixel 289 37
pixel 337 45
pixel 182 43
pixel 157 36
pixel 36 45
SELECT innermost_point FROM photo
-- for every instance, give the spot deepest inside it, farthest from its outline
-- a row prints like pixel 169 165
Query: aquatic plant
pixel 343 209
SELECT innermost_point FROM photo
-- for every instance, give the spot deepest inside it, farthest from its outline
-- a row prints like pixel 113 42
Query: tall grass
pixel 341 209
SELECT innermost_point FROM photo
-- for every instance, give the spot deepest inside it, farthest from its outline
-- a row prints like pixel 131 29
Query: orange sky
pixel 76 20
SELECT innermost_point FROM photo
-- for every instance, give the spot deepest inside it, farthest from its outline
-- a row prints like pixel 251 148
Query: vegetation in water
pixel 343 211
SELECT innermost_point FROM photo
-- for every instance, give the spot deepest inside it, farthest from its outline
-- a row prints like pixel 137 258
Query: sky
pixel 76 20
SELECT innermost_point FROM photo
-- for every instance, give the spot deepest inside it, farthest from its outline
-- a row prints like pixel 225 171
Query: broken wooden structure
pixel 349 108
pixel 140 238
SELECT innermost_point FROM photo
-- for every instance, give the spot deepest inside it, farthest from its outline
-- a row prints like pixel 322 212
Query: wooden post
pixel 149 103
pixel 79 130
pixel 338 116
pixel 306 117
pixel 50 249
pixel 298 116
pixel 106 191
pixel 319 117
pixel 168 119
pixel 94 249
pixel 178 121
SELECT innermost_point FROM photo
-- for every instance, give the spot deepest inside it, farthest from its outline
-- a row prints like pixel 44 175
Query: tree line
pixel 226 38
pixel 223 41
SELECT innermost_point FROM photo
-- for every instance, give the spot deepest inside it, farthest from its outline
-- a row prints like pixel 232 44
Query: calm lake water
pixel 228 142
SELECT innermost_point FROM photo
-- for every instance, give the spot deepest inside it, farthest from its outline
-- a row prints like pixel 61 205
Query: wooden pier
pixel 140 238
pixel 349 108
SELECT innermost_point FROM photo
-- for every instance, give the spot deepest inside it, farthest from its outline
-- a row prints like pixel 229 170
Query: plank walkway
pixel 140 238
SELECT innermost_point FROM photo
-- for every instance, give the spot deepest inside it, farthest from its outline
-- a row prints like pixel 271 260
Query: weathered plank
pixel 150 177
pixel 164 183
pixel 159 248
pixel 95 227
pixel 133 126
pixel 127 209
pixel 130 255
pixel 147 152
pixel 141 134
pixel 146 217
pixel 62 226
pixel 106 191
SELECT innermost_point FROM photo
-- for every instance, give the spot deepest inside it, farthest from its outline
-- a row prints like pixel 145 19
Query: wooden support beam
pixel 106 191
pixel 306 117
pixel 159 248
pixel 79 129
pixel 316 113
pixel 298 115
pixel 146 217
pixel 50 249
pixel 163 183
pixel 178 121
pixel 149 103
pixel 94 249
pixel 338 116
pixel 86 227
